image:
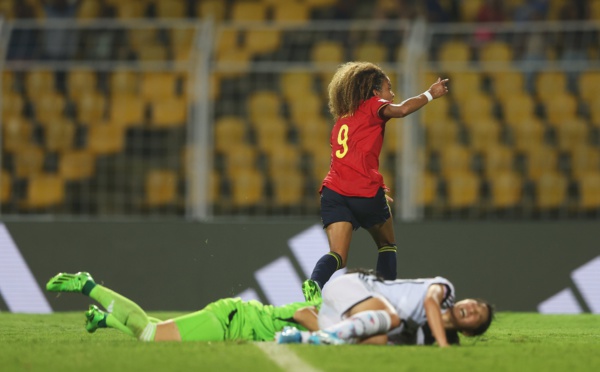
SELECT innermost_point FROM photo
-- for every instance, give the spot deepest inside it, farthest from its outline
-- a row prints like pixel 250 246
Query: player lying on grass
pixel 362 307
pixel 225 319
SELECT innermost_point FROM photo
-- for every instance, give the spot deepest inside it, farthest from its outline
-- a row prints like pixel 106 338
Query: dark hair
pixel 451 336
pixel 485 325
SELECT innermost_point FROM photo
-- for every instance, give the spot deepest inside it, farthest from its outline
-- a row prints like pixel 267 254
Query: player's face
pixel 469 314
pixel 386 90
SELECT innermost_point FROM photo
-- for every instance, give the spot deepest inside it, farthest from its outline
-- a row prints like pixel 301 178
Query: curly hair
pixel 352 84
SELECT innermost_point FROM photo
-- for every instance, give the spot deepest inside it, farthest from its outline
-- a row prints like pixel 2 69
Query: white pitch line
pixel 285 358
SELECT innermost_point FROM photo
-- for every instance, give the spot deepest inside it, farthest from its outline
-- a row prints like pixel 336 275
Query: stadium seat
pixel 506 189
pixel 506 83
pixel 475 108
pixel 216 9
pixel 584 159
pixel 89 10
pixel 180 41
pixel 229 131
pixel 59 135
pixel 468 10
pixel 497 158
pixel 79 81
pixel 527 133
pixel 427 192
pixel 171 8
pixel 152 52
pixel 127 110
pixel 270 133
pixel 372 52
pixel 517 107
pixel 239 158
pixel 560 108
pixel 438 110
pixel 495 54
pixel 453 54
pixel 106 139
pixel 550 83
pixel 5 187
pixel 247 188
pixel 588 85
pixel 49 106
pixel 257 41
pixel 8 82
pixel 124 82
pixel 43 191
pixel 465 84
pixel 12 105
pixel 160 186
pixel 283 157
pixel 295 84
pixel 171 112
pixel 157 86
pixel 290 11
pixel 571 134
pixel 327 52
pixel 589 190
pixel 462 189
pixel 484 134
pixel 28 161
pixel 319 167
pixel 91 107
pixel 242 11
pixel 540 160
pixel 288 188
pixel 39 82
pixel 550 190
pixel 76 165
pixel 455 158
pixel 264 104
pixel 392 141
pixel 439 134
pixel 135 9
pixel 17 132
pixel 305 107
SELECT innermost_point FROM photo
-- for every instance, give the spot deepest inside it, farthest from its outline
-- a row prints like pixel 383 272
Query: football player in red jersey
pixel 353 192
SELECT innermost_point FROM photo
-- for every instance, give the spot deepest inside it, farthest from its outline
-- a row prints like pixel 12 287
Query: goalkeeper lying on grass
pixel 225 319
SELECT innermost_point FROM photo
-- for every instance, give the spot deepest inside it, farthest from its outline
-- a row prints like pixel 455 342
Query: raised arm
pixel 432 304
pixel 411 105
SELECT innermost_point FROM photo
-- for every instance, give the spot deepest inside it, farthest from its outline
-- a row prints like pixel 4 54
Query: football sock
pixel 363 324
pixel 325 267
pixel 124 311
pixel 386 262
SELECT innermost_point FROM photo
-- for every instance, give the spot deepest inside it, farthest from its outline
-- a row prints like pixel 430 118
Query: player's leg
pixel 203 325
pixel 125 311
pixel 384 237
pixel 96 318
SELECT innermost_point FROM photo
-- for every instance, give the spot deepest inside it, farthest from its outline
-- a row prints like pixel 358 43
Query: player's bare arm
pixel 307 317
pixel 400 110
pixel 432 304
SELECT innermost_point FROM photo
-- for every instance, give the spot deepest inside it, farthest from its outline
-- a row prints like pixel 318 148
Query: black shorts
pixel 361 212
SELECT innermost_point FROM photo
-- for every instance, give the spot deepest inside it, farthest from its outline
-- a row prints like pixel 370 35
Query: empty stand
pixel 160 187
pixel 43 191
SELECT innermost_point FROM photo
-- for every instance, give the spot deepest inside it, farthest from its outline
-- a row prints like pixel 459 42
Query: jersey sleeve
pixel 375 104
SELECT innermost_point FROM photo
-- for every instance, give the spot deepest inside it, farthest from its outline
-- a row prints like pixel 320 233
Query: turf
pixel 515 342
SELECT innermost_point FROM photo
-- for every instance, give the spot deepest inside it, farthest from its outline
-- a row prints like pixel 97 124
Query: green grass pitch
pixel 515 342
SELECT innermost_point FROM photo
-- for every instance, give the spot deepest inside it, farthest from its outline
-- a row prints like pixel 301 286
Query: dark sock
pixel 325 267
pixel 386 262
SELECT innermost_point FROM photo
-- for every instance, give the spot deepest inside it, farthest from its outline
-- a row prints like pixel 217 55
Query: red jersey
pixel 355 147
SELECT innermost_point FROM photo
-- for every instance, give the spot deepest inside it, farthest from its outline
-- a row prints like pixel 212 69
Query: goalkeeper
pixel 225 319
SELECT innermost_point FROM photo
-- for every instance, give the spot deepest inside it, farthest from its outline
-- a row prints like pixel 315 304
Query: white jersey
pixel 406 296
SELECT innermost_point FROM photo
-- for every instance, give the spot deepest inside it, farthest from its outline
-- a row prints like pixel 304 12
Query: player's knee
pixel 394 319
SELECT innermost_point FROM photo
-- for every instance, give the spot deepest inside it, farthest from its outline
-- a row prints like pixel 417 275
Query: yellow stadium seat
pixel 12 105
pixel 106 139
pixel 247 188
pixel 295 84
pixel 262 40
pixel 527 133
pixel 506 83
pixel 157 86
pixel 306 107
pixel 239 158
pixel 476 108
pixel 288 188
pixel 89 10
pixel 464 84
pixel 152 52
pixel 181 42
pixel 427 192
pixel 28 161
pixel 320 166
pixel 588 85
pixel 468 10
pixel 16 133
pixel 571 134
pixel 77 165
pixel 270 132
pixel 497 158
pixel 169 112
pixel 550 83
pixel 589 190
pixel 455 158
pixel 242 11
pixel 495 54
pixel 49 106
pixel 518 107
pixel 8 82
pixel 264 104
pixel 438 110
pixel 160 188
pixel 560 107
pixel 132 9
pixel 506 189
pixel 43 191
pixel 124 82
pixel 216 9
pixel 314 136
pixel 327 52
pixel 59 135
pixel 440 133
pixel 91 107
pixel 539 160
pixel 550 190
pixel 5 187
pixel 39 82
pixel 291 11
pixel 462 189
pixel 452 54
pixel 372 52
pixel 171 8
pixel 127 110
pixel 484 133
pixel 584 159
pixel 230 131
pixel 282 158
pixel 79 81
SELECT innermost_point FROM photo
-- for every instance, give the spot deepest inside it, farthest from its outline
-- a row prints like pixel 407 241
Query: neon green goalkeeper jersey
pixel 234 319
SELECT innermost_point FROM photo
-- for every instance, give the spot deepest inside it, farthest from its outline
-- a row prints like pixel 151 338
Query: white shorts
pixel 339 296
